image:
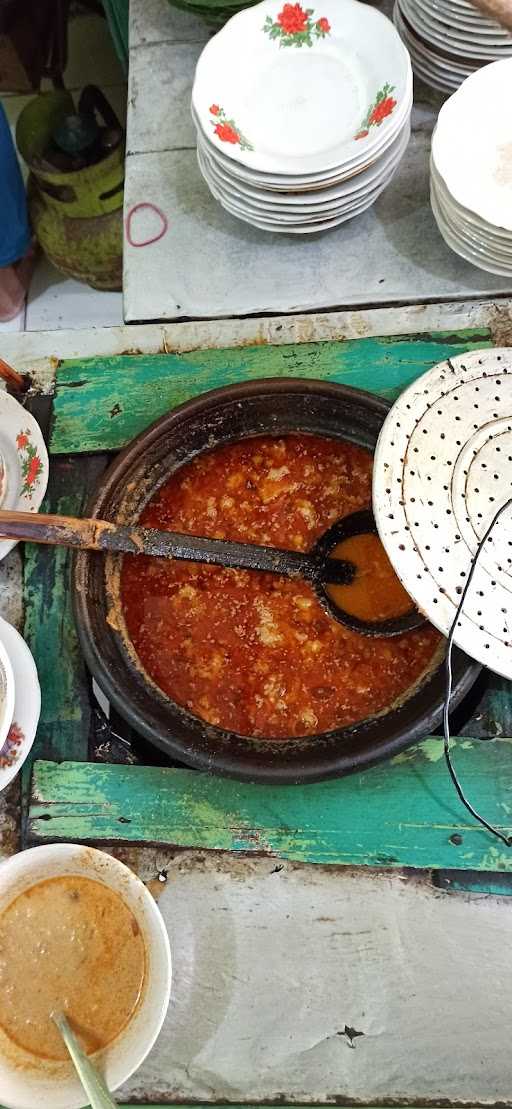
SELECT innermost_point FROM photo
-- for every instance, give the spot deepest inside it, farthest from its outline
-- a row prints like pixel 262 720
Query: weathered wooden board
pixel 49 626
pixel 102 403
pixel 273 962
pixel 404 813
pixel 41 352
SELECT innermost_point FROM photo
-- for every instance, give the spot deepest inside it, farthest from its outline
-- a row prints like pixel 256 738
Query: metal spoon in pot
pixel 92 1082
pixel 324 567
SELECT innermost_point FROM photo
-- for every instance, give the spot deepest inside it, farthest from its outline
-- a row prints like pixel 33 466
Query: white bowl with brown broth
pixel 81 933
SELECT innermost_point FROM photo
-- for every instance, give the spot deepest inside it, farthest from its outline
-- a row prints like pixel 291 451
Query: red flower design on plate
pixel 226 129
pixel 381 108
pixel 295 26
pixel 227 133
pixel 34 469
pixel 10 750
pixel 293 19
pixel 31 464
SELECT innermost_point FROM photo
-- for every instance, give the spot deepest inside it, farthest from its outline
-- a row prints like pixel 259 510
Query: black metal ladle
pixel 316 566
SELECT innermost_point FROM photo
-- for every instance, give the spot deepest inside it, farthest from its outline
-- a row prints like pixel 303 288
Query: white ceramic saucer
pixel 324 198
pixel 472 144
pixel 463 44
pixel 292 90
pixel 359 160
pixel 25 461
pixel 27 704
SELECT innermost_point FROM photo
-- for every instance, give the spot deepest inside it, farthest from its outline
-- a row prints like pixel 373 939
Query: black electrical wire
pixel 507 840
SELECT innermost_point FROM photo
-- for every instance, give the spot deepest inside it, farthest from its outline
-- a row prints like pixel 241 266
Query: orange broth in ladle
pixel 253 652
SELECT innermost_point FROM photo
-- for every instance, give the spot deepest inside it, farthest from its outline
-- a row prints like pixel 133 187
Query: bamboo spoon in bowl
pixel 92 1082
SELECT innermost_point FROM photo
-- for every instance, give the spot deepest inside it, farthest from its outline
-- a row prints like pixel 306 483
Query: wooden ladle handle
pixel 58 531
pixel 102 535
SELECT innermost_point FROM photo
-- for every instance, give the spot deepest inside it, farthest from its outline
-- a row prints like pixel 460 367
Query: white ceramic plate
pixel 25 1086
pixel 6 693
pixel 429 71
pixel 463 45
pixel 291 89
pixel 361 160
pixel 494 237
pixel 481 248
pixel 25 461
pixel 461 24
pixel 309 203
pixel 294 228
pixel 450 67
pixel 26 708
pixel 457 244
pixel 472 144
pixel 467 11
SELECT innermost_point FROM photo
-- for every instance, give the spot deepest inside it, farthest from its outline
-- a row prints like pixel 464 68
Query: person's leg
pixel 16 255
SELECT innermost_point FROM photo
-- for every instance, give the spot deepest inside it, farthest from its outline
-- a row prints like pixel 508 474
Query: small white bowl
pixel 27 1083
pixel 6 694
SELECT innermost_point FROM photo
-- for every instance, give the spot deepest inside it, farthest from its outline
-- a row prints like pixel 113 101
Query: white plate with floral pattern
pixel 27 704
pixel 288 205
pixel 23 461
pixel 275 182
pixel 288 89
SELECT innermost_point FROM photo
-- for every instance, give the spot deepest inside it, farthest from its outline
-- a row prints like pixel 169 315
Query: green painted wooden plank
pixel 400 814
pixel 101 403
pixel 49 627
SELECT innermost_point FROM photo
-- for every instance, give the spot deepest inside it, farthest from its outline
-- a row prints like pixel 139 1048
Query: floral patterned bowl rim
pixel 289 207
pixel 472 148
pixel 288 89
pixel 361 161
pixel 25 461
pixel 330 196
pixel 27 704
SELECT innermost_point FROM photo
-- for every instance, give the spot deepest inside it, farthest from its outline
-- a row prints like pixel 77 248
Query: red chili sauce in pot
pixel 251 652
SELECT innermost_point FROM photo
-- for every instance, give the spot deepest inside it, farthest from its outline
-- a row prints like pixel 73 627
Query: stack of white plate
pixel 302 114
pixel 449 39
pixel 471 170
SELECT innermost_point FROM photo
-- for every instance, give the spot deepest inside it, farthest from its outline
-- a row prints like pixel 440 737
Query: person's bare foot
pixel 14 282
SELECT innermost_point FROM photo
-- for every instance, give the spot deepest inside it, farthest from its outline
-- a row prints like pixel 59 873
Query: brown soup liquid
pixel 68 945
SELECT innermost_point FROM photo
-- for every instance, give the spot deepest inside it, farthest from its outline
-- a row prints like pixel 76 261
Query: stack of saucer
pixel 471 170
pixel 449 39
pixel 302 114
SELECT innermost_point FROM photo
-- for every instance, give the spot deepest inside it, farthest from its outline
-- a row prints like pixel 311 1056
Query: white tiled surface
pixel 54 301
